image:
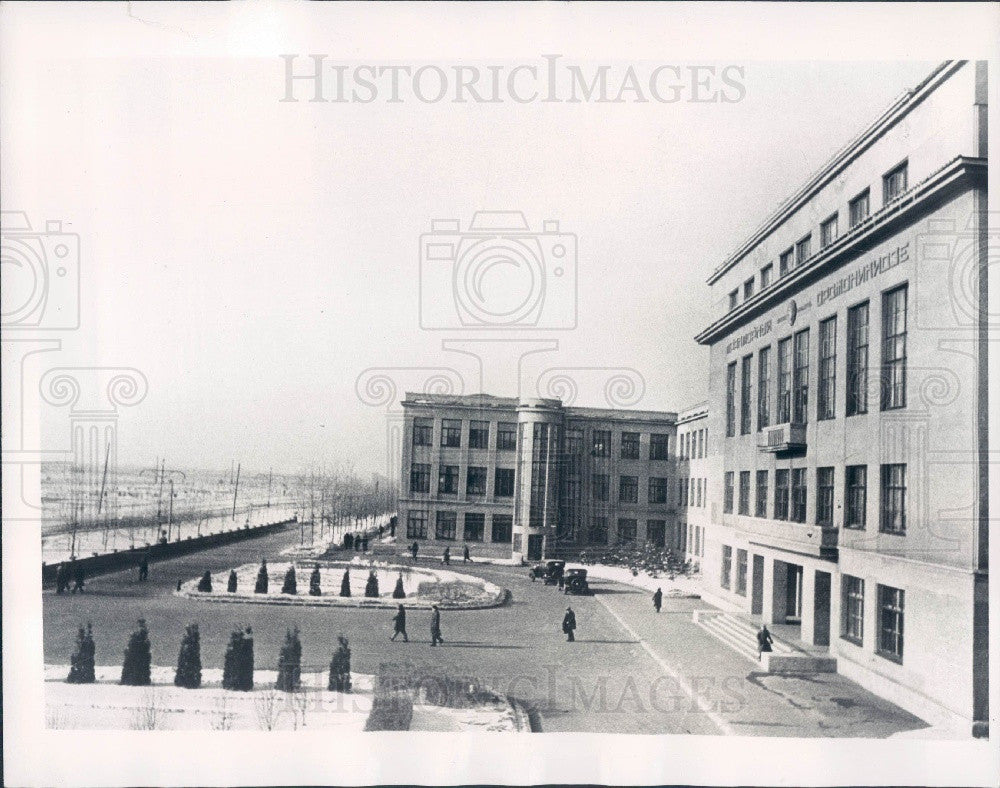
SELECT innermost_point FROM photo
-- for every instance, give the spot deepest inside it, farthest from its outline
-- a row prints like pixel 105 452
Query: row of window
pixel 894 183
pixel 692 492
pixel 627 531
pixel 791 493
pixel 690 539
pixel 473 526
pixel 448 479
pixel 890 608
pixel 726 574
pixel 693 445
pixel 479 434
pixel 792 370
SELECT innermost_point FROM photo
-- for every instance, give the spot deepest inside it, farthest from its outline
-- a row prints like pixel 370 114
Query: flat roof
pixel 413 398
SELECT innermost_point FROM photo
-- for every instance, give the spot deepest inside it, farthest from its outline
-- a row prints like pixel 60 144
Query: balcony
pixel 804 538
pixel 783 438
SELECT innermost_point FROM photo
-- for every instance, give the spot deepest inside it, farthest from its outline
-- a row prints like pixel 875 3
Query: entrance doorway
pixel 793 590
pixel 534 547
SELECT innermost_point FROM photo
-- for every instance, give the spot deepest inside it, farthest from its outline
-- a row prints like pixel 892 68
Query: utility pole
pixel 170 516
pixel 236 488
pixel 269 488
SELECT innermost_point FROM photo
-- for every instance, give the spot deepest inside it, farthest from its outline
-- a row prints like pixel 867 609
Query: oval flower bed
pixel 423 587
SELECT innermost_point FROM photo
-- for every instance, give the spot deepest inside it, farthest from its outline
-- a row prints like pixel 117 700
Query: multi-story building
pixel 693 471
pixel 533 478
pixel 848 407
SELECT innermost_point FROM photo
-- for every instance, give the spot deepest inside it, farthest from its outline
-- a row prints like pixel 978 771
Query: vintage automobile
pixel 576 582
pixel 549 572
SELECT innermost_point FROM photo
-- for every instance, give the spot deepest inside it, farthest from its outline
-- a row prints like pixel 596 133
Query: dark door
pixel 535 547
pixel 793 590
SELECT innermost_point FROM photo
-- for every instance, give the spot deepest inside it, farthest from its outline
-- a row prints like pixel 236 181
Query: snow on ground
pixel 495 718
pixel 680 586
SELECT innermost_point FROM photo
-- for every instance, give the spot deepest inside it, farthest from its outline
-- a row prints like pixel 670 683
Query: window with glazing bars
pixel 894 349
pixel 826 396
pixel 744 492
pixel 824 496
pixel 800 378
pixel 727 504
pixel 893 516
pixel 745 395
pixel 857 359
pixel 784 381
pixel 763 388
pixel 853 624
pixel 857 496
pixel 731 400
pixel 760 508
pixel 781 494
pixel 799 493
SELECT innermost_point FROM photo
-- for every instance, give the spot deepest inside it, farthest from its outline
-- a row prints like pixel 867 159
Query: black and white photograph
pixel 500 393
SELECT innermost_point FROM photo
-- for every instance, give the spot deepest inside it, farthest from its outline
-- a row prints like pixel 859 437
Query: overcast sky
pixel 254 257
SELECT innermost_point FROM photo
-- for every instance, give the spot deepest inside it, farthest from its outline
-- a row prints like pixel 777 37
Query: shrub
pixel 289 586
pixel 290 662
pixel 81 663
pixel 189 659
pixel 135 667
pixel 391 712
pixel 314 589
pixel 345 583
pixel 261 587
pixel 205 584
pixel 398 592
pixel 371 587
pixel 237 671
pixel 231 588
pixel 340 667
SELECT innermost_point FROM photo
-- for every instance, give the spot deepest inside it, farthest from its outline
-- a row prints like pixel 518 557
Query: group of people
pixel 399 625
pixel 445 556
pixel 67 571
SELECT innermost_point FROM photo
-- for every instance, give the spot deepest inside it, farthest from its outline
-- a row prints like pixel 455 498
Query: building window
pixel 890 622
pixel 656 532
pixel 893 519
pixel 703 443
pixel 784 380
pixel 745 417
pixel 826 396
pixel 734 298
pixel 763 388
pixel 800 379
pixel 445 526
pixel 857 496
pixel 630 445
pixel 859 208
pixel 628 489
pixel 416 525
pixel 600 487
pixel 803 250
pixel 766 273
pixel 701 492
pixel 598 530
pixel 422 429
pixel 451 433
pixel 503 527
pixel 506 437
pixel 799 493
pixel 824 496
pixel 727 504
pixel 448 480
pixel 853 619
pixel 857 359
pixel 475 482
pixel 744 493
pixel 657 490
pixel 894 183
pixel 659 446
pixel 760 507
pixel 741 572
pixel 731 400
pixel 894 349
pixel 727 566
pixel 479 434
pixel 475 526
pixel 828 231
pixel 503 486
pixel 748 289
pixel 781 494
pixel 785 261
pixel 602 443
pixel 626 530
pixel 420 477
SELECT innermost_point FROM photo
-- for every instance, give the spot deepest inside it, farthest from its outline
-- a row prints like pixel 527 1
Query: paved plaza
pixel 629 671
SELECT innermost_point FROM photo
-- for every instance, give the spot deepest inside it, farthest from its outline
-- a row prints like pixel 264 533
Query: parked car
pixel 576 582
pixel 549 572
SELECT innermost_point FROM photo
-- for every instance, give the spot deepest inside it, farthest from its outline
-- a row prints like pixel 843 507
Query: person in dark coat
pixel 764 641
pixel 436 626
pixel 446 558
pixel 62 577
pixel 144 567
pixel 413 550
pixel 364 544
pixel 569 624
pixel 78 576
pixel 348 542
pixel 381 531
pixel 399 622
pixel 465 554
pixel 657 599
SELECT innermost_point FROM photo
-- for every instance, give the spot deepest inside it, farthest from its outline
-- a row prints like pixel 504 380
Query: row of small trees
pixel 290 584
pixel 238 666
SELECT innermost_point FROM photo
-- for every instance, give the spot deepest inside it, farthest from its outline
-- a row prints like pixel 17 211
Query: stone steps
pixel 741 636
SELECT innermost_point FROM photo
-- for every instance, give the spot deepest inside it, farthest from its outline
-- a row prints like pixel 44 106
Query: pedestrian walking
pixel 569 624
pixel 78 576
pixel 465 554
pixel 413 550
pixel 436 626
pixel 764 641
pixel 657 599
pixel 446 558
pixel 144 567
pixel 399 624
pixel 62 577
pixel 381 531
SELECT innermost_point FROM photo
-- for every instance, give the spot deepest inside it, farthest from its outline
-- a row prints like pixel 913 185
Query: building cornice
pixel 961 171
pixel 893 115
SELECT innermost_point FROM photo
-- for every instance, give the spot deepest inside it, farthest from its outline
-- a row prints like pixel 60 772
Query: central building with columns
pixel 533 478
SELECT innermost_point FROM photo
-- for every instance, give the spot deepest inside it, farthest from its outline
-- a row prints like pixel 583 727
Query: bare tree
pixel 223 715
pixel 149 715
pixel 266 708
